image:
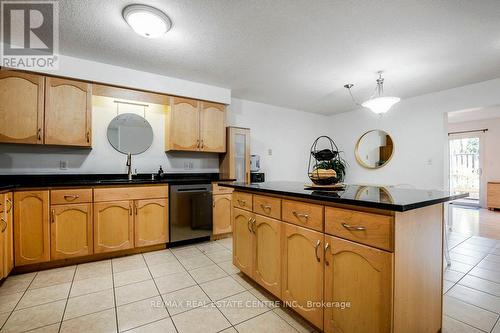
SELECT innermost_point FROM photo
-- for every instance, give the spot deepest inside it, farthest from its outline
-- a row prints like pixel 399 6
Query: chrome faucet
pixel 129 166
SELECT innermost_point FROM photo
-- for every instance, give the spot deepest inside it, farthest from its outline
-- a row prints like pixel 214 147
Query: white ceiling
pixel 299 53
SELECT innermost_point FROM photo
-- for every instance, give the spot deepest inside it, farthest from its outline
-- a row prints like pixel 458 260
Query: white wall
pixel 289 133
pixel 417 126
pixel 490 148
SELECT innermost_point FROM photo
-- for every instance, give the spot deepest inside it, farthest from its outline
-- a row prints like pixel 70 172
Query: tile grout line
pixel 159 293
pixel 67 300
pixel 114 295
pixel 496 323
pixel 15 306
pixel 466 324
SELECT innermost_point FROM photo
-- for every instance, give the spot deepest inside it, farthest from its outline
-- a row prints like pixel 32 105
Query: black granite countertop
pixel 388 198
pixel 9 182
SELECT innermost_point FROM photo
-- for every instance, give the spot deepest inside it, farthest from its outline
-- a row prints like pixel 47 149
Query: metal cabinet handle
pixel 354 228
pixel 88 136
pixel 39 134
pixel 318 243
pixel 53 215
pixel 241 202
pixel 248 224
pixel 130 209
pixel 202 144
pixel 327 245
pixel 197 143
pixel 299 215
pixel 266 207
pixel 254 225
pixel 136 208
pixel 10 205
pixel 4 223
pixel 71 197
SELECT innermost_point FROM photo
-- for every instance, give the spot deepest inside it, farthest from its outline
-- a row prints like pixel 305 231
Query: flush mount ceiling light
pixel 377 103
pixel 147 21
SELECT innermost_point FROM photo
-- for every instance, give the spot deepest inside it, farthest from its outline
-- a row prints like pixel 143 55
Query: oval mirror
pixel 130 133
pixel 374 149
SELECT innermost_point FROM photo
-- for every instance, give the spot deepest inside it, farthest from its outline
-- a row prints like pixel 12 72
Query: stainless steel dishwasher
pixel 190 213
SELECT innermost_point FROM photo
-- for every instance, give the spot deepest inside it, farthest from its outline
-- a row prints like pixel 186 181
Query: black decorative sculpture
pixel 326 167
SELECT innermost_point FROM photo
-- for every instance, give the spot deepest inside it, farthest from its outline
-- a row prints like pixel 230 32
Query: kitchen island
pixel 360 259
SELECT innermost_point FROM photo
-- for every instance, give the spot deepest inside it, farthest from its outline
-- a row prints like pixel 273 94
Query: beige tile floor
pixel 197 289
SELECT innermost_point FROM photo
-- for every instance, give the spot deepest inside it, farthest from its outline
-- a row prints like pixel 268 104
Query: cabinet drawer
pixel 365 228
pixel 217 189
pixel 242 200
pixel 267 206
pixel 130 193
pixel 303 214
pixel 68 196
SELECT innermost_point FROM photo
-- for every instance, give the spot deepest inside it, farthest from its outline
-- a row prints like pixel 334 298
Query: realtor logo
pixel 30 34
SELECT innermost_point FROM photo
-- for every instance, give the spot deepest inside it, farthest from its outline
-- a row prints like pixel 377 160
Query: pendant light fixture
pixel 377 103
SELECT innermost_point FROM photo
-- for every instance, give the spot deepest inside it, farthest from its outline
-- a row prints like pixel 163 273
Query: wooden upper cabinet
pixel 183 125
pixel 222 213
pixel 213 127
pixel 302 271
pixel 360 275
pixel 21 107
pixel 151 222
pixel 71 231
pixel 68 112
pixel 113 226
pixel 243 241
pixel 267 263
pixel 31 227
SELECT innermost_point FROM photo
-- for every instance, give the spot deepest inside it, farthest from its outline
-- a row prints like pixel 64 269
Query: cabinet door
pixel 71 231
pixel 302 271
pixel 151 222
pixel 3 229
pixel 21 107
pixel 213 127
pixel 360 275
pixel 243 241
pixel 67 112
pixel 267 263
pixel 113 226
pixel 31 227
pixel 222 213
pixel 9 234
pixel 183 125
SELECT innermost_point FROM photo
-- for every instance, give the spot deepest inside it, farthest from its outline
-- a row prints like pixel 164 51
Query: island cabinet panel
pixel 151 222
pixel 213 127
pixel 68 112
pixel 113 226
pixel 362 276
pixel 31 227
pixel 302 271
pixel 267 206
pixel 267 252
pixel 303 214
pixel 242 200
pixel 21 107
pixel 7 228
pixel 243 241
pixel 71 231
pixel 366 228
pixel 222 213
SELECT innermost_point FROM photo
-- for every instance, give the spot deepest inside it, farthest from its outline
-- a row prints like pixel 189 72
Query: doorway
pixel 465 160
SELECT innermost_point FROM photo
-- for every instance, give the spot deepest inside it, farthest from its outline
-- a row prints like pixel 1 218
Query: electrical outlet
pixel 63 165
pixel 270 152
pixel 188 165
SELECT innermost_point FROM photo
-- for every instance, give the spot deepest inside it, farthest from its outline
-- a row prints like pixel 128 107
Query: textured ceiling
pixel 299 53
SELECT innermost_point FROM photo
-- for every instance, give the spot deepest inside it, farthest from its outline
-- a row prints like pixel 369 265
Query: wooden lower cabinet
pixel 361 276
pixel 151 222
pixel 113 226
pixel 267 253
pixel 243 241
pixel 302 271
pixel 71 231
pixel 222 213
pixel 7 230
pixel 31 227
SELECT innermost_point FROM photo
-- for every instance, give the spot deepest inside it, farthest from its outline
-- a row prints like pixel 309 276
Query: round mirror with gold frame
pixel 374 149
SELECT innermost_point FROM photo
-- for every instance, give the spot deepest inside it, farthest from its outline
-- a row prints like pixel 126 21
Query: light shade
pixel 380 104
pixel 147 21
